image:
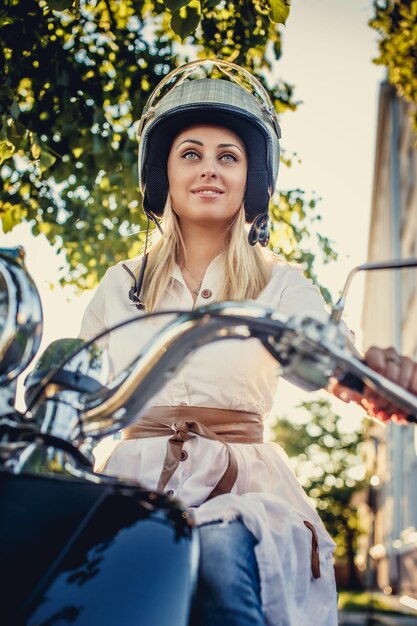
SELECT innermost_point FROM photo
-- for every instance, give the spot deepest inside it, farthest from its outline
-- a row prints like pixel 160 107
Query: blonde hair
pixel 245 270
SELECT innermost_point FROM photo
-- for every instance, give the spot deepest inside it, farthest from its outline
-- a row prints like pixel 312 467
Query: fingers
pixel 413 377
pixel 375 358
pixel 383 411
pixel 385 361
pixel 400 369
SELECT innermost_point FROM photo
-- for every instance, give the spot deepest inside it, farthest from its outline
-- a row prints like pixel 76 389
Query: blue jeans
pixel 228 588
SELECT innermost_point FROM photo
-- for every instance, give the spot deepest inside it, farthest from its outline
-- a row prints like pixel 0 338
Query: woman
pixel 208 163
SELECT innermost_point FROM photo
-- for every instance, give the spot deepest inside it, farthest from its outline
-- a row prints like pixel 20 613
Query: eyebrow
pixel 220 145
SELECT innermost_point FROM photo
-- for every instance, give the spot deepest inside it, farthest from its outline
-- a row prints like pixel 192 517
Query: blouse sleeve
pixel 299 295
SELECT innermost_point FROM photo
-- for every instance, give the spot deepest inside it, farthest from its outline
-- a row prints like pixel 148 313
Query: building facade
pixel 390 318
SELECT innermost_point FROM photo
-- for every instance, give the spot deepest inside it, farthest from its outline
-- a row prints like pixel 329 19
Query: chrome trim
pixel 397 264
pixel 128 396
pixel 311 353
pixel 21 318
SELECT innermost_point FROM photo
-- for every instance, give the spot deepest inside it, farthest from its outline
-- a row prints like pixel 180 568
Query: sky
pixel 327 55
pixel 328 51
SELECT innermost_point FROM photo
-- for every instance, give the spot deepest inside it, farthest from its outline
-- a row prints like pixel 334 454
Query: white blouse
pixel 230 374
pixel 248 369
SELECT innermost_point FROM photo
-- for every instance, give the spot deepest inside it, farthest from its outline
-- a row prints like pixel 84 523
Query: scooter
pixel 83 548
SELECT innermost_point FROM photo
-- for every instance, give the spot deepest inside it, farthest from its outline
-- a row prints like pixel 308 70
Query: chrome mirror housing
pixel 67 372
pixel 21 320
pixel 396 264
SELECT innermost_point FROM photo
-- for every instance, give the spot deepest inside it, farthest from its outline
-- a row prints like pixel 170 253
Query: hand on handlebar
pixel 400 369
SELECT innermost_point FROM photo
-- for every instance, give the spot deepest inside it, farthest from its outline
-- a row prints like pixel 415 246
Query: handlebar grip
pixel 352 381
pixel 356 384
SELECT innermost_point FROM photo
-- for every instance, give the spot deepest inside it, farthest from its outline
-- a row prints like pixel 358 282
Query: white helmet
pixel 236 100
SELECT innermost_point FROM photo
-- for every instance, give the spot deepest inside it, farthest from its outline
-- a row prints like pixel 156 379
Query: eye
pixel 191 155
pixel 229 157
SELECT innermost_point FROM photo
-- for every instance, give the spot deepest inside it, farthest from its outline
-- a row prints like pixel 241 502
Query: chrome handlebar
pixel 71 397
pixel 311 353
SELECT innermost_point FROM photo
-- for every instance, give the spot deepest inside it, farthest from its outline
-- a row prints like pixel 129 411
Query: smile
pixel 204 192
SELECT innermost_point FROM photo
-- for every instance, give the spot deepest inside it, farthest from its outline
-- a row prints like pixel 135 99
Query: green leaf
pixel 47 160
pixel 280 10
pixel 60 5
pixel 35 150
pixel 16 132
pixel 5 19
pixel 77 152
pixel 210 4
pixel 7 222
pixel 176 5
pixel 99 144
pixel 7 150
pixel 185 21
pixel 75 78
pixel 75 10
pixel 10 217
pixel 15 110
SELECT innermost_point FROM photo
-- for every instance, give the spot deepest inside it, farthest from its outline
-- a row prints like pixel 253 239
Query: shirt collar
pixel 212 271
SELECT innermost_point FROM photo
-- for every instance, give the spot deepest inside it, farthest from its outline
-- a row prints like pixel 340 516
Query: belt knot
pixel 182 431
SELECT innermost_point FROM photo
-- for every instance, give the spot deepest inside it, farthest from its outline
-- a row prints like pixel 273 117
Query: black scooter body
pixel 79 553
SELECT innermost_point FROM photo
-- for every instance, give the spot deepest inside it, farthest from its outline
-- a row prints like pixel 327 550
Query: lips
pixel 207 191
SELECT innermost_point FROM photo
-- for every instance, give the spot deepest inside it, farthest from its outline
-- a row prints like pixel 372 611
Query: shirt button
pixel 169 493
pixel 206 293
pixel 183 455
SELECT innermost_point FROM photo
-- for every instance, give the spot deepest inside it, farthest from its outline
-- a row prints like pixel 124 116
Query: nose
pixel 208 168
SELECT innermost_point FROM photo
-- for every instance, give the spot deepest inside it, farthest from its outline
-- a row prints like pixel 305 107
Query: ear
pixel 259 231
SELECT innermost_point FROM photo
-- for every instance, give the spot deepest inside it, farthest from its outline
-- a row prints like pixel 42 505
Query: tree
pixel 396 23
pixel 74 84
pixel 325 458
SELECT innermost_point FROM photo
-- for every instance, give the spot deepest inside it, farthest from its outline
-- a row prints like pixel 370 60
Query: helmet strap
pixel 151 216
pixel 136 288
pixel 259 231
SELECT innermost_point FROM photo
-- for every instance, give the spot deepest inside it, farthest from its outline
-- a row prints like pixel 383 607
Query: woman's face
pixel 207 168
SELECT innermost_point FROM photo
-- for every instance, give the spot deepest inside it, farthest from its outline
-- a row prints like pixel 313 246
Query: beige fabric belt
pixel 186 422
